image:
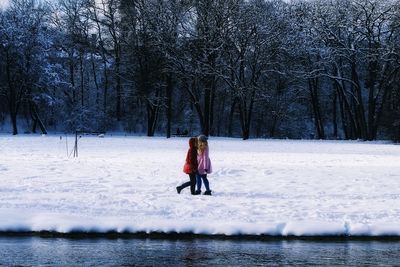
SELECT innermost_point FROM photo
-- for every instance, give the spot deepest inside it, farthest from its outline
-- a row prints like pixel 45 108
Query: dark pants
pixel 205 180
pixel 191 183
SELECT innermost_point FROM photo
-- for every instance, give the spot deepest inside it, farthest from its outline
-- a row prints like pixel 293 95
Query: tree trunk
pixel 36 119
pixel 348 118
pixel 334 115
pixel 246 115
pixel 231 115
pixel 196 104
pixel 342 109
pixel 220 115
pixel 169 103
pixel 12 97
pixel 212 106
pixel 72 78
pixel 118 79
pixel 313 88
pixel 272 128
pixel 104 58
pixel 152 114
pixel 207 111
pixel 242 116
pixel 95 82
pixel 371 84
pixel 105 86
pixel 13 116
pixel 358 103
pixel 82 77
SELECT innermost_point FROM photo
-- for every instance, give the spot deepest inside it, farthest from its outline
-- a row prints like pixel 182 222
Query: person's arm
pixel 193 161
pixel 205 158
pixel 187 157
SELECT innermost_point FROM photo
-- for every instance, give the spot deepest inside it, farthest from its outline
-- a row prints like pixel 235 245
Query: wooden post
pixel 76 145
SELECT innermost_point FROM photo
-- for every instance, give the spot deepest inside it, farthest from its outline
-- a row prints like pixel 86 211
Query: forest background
pixel 316 69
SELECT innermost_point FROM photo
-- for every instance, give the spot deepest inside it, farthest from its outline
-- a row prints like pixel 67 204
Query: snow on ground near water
pixel 276 187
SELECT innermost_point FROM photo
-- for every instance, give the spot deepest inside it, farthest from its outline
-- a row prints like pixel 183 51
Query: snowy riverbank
pixel 127 184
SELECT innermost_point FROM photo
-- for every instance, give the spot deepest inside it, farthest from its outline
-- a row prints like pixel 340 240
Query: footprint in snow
pixel 3 168
pixel 30 177
pixel 228 172
pixel 268 172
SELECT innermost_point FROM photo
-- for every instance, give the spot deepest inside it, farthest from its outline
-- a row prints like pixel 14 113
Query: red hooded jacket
pixel 191 157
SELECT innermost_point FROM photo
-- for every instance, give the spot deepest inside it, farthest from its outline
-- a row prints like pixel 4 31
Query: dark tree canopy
pixel 259 68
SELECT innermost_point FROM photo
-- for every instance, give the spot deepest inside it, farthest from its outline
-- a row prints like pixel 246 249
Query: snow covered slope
pixel 273 187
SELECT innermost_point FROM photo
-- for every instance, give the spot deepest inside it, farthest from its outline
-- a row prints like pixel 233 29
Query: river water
pixel 36 251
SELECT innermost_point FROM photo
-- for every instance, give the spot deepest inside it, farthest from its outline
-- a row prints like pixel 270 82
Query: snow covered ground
pixel 275 187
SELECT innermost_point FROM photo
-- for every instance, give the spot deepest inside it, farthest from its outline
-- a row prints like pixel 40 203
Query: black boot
pixel 197 192
pixel 207 193
pixel 178 189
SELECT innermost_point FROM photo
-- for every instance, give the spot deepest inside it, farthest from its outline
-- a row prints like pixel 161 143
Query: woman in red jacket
pixel 190 167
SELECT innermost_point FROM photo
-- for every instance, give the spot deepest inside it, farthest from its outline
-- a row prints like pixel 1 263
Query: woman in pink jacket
pixel 203 164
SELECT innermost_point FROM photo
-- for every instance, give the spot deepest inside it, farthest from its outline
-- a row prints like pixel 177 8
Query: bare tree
pixel 355 40
pixel 253 55
pixel 21 27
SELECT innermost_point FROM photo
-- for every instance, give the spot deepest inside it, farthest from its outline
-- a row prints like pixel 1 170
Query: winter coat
pixel 191 157
pixel 204 162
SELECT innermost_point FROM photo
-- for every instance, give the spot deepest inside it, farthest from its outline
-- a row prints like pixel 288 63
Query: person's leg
pixel 198 179
pixel 192 183
pixel 206 183
pixel 184 185
pixel 179 188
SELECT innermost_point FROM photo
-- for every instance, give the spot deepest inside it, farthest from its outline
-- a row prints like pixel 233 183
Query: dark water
pixel 35 251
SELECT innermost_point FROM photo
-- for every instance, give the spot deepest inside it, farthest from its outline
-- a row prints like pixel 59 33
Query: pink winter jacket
pixel 204 162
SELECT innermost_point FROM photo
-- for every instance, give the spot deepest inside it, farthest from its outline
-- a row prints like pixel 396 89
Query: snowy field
pixel 273 187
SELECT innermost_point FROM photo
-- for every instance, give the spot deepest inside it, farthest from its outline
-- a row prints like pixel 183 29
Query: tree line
pixel 246 68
